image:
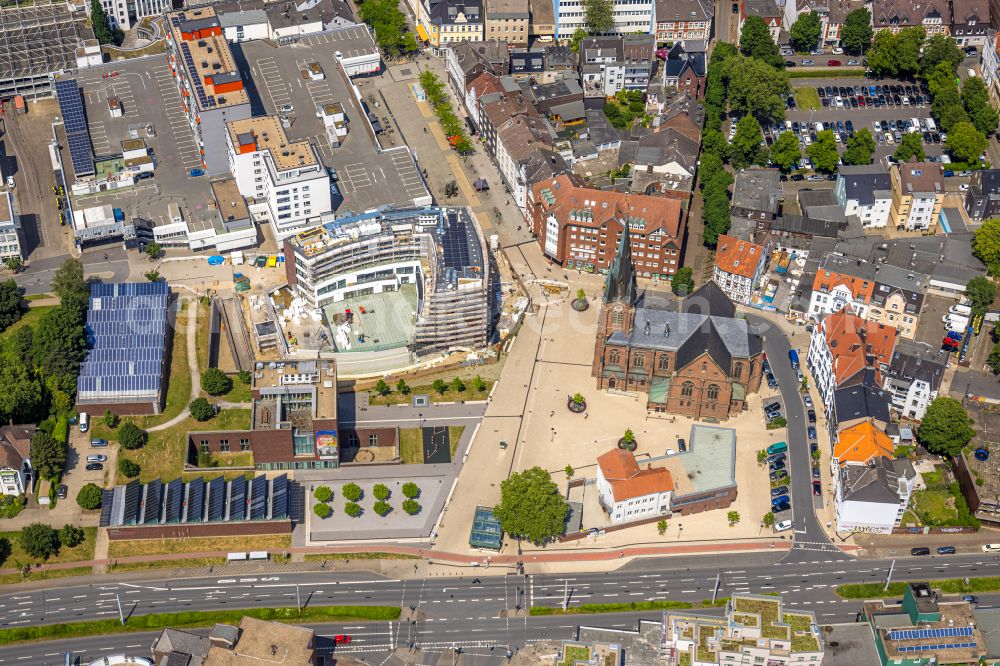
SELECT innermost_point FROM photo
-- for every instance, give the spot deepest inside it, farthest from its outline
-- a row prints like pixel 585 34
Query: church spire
pixel 620 283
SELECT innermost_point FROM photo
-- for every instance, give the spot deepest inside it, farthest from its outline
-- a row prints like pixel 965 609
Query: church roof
pixel 620 284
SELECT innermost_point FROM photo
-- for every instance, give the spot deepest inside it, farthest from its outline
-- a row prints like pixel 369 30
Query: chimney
pixel 645 329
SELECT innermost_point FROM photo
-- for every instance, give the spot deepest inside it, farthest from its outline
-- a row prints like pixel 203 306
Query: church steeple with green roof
pixel 620 284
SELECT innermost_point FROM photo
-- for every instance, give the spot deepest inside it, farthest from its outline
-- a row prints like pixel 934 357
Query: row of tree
pixel 388 24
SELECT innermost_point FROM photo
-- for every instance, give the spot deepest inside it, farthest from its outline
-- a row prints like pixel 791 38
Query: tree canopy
pixel 896 55
pixel 531 506
pixel 945 427
pixel 103 30
pixel 48 454
pixel 856 35
pixel 976 101
pixel 68 281
pixel 910 146
pixel 746 147
pixel 757 88
pixel 965 142
pixel 823 152
pixel 785 152
pixel 215 381
pixel 39 540
pixel 599 15
pixel 12 304
pixel 980 292
pixel 940 49
pixel 201 409
pixel 131 436
pixel 859 147
pixel 805 31
pixel 756 42
pixel 90 497
pixel 682 283
pixel 986 244
pixel 388 25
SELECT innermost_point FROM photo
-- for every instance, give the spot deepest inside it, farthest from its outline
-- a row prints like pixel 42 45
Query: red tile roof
pixel 738 257
pixel 856 344
pixel 861 443
pixel 627 480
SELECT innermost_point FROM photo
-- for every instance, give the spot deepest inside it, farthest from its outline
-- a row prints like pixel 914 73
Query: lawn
pixel 140 547
pixel 164 453
pixel 83 552
pixel 396 398
pixel 947 585
pixel 30 318
pixel 934 507
pixel 188 562
pixel 807 99
pixel 411 443
pixel 224 460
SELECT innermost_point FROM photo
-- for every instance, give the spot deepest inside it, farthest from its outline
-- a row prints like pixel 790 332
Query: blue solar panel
pixel 151 507
pixel 133 493
pixel 195 501
pixel 81 151
pixel 238 499
pixel 175 501
pixel 217 500
pixel 258 498
pixel 279 498
pixel 915 634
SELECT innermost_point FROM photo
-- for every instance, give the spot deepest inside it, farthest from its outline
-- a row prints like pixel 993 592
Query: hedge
pixel 828 73
pixel 947 585
pixel 61 430
pixel 583 609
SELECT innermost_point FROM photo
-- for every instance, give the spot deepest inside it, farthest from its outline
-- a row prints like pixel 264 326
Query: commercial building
pixel 284 178
pixel 15 458
pixel 124 14
pixel 445 22
pixel 508 20
pixel 11 236
pixel 629 493
pixel 630 16
pixel 917 195
pixel 701 361
pixel 254 641
pixel 865 191
pixel 739 265
pixel 681 21
pixel 208 80
pixel 580 227
pixel 125 369
pixel 873 497
pixel 40 38
pixel 846 350
pixel 434 256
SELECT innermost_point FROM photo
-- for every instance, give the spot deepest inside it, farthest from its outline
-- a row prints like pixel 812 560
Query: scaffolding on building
pixel 37 42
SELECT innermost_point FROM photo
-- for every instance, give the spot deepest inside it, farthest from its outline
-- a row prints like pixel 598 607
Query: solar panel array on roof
pixel 935 647
pixel 130 514
pixel 216 500
pixel 151 508
pixel 195 509
pixel 279 497
pixel 258 498
pixel 238 499
pixel 126 330
pixel 107 499
pixel 81 151
pixel 455 241
pixel 915 634
pixel 175 501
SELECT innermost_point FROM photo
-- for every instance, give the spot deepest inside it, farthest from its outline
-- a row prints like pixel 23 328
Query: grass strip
pixel 197 619
pixel 946 585
pixel 586 609
pixel 44 574
pixel 319 557
pixel 827 74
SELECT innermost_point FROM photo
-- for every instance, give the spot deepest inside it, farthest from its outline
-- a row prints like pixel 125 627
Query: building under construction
pixel 38 42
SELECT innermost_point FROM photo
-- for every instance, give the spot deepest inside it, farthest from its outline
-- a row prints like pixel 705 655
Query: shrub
pixel 402 387
pixel 440 386
pixel 322 510
pixel 381 491
pixel 411 507
pixel 478 384
pixel 245 377
pixel 353 509
pixel 201 409
pixel 128 468
pixel 351 492
pixel 131 436
pixel 411 490
pixel 661 527
pixel 382 508
pixel 89 497
pixel 215 382
pixel 71 536
pixel 323 494
pixel 382 388
pixel 457 385
pixel 111 419
pixel 11 505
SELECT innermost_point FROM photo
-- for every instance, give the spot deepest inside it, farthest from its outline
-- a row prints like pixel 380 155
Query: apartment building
pixel 766 10
pixel 917 195
pixel 284 178
pixel 914 376
pixel 832 15
pixel 208 80
pixel 873 497
pixel 970 22
pixel 989 61
pixel 865 191
pixel 630 16
pixel 15 458
pixel 452 21
pixel 739 265
pixel 846 350
pixel 123 14
pixel 934 16
pixel 579 227
pixel 11 236
pixel 982 201
pixel 508 20
pixel 683 21
pixel 629 493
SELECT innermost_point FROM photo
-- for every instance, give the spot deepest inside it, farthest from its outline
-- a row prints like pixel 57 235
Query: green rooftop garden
pixel 573 654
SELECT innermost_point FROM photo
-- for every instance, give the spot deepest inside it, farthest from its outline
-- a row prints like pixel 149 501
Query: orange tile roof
pixel 856 344
pixel 738 257
pixel 861 443
pixel 627 480
pixel 861 289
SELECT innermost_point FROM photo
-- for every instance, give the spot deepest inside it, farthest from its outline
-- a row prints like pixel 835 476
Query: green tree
pixel 152 276
pixel 805 31
pixel 756 87
pixel 985 245
pixel 911 146
pixel 768 519
pixel 245 377
pixel 578 36
pixel 131 436
pixel 661 527
pixel 478 384
pixel 153 250
pixel 351 492
pixel 411 490
pixel 945 428
pixel 68 282
pixel 756 42
pixel 71 536
pixel 323 494
pixel 859 147
pixel 39 540
pixel 682 283
pixel 440 386
pixel 965 142
pixel 201 409
pixel 713 143
pixel 746 142
pixel 89 497
pixel 856 35
pixel 569 471
pixel 12 304
pixel 994 359
pixel 909 41
pixel 981 292
pixel 381 491
pixel 402 388
pixel 48 455
pixel 940 49
pixel 733 517
pixel 976 101
pixel 785 153
pixel 599 16
pixel 411 507
pixel 14 264
pixel 111 419
pixel 128 468
pixel 388 23
pixel 531 506
pixel 716 214
pixel 322 510
pixel 457 385
pixel 101 24
pixel 382 388
pixel 353 509
pixel 382 508
pixel 215 381
pixel 823 152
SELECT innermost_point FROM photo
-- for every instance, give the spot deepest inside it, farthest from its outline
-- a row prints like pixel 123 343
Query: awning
pixel 422 33
pixel 659 389
pixel 613 371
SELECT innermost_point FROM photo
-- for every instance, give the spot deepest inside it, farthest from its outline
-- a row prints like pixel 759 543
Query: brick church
pixel 700 361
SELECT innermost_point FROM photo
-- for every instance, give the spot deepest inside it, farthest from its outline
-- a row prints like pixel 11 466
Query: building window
pixel 244 444
pixel 713 392
pixel 616 316
pixel 687 389
pixel 224 445
pixel 373 440
pixel 664 363
pixel 638 360
pixel 739 370
pixel 614 358
pixel 204 446
pixel 352 440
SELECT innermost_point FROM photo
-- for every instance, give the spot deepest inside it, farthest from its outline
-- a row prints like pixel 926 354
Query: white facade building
pixel 124 13
pixel 628 493
pixel 990 66
pixel 914 377
pixel 11 243
pixel 631 16
pixel 866 192
pixel 739 265
pixel 839 297
pixel 873 498
pixel 284 178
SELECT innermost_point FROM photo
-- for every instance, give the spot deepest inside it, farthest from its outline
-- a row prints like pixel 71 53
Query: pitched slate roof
pixel 861 402
pixel 861 182
pixel 877 482
pixel 918 361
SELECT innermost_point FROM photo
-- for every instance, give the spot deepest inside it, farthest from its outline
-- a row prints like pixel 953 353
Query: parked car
pixel 811 414
pixel 99 442
pixel 342 639
pixel 63 492
pixel 833 63
pixel 917 552
pixel 779 508
pixel 813 447
pixel 811 432
pixel 806 63
pixel 780 490
pixel 945 550
pixel 807 400
pixel 776 465
pixel 970 599
pixel 781 499
pixel 778 475
pixel 771 381
pixel 817 487
pixel 94 467
pixel 815 472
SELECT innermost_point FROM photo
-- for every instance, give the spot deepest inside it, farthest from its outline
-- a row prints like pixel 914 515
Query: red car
pixel 950 343
pixel 833 63
pixel 342 639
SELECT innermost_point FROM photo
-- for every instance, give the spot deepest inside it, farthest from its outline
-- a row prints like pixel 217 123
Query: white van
pixel 959 309
pixel 991 547
pixel 787 525
pixel 914 125
pixel 929 124
pixel 84 422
